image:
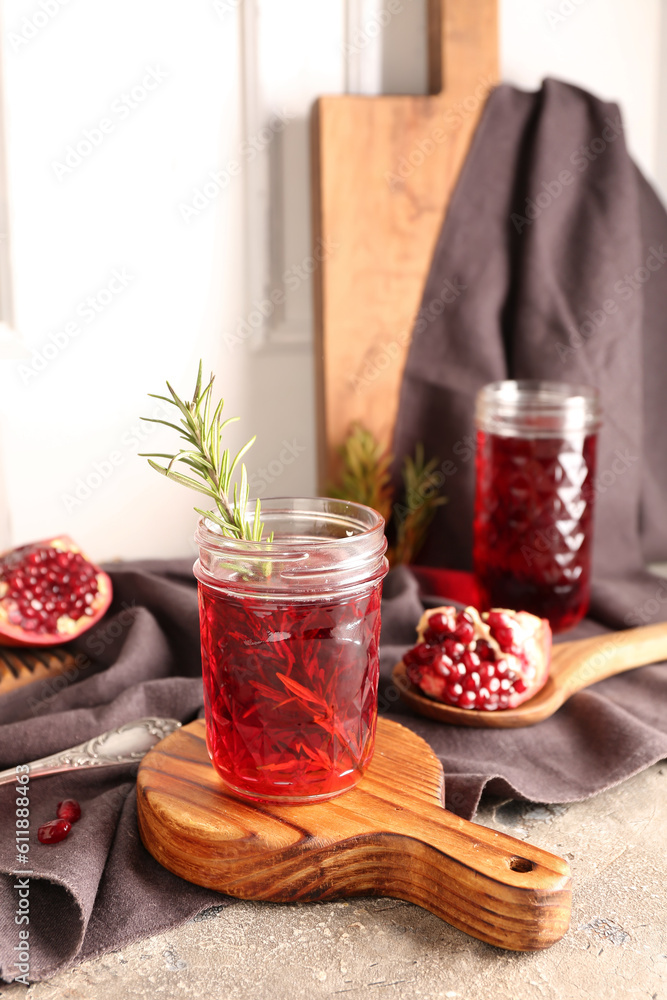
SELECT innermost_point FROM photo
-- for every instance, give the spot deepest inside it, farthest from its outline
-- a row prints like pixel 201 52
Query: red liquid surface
pixel 290 691
pixel 533 525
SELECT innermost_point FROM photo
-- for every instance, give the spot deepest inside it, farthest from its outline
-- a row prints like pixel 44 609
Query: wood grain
pixel 387 836
pixel 19 666
pixel 384 169
pixel 574 666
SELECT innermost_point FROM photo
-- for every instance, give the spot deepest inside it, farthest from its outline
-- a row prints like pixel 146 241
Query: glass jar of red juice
pixel 290 633
pixel 534 496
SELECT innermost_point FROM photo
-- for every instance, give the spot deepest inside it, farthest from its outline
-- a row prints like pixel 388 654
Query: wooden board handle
pixel 586 661
pixel 506 892
pixel 462 45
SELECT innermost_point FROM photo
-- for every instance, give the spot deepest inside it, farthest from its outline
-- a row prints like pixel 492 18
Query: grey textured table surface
pixel 616 946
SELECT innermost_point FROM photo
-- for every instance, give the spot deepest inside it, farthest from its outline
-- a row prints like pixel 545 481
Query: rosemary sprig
pixel 205 458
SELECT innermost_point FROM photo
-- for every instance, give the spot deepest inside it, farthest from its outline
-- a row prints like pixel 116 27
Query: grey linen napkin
pixel 558 248
pixel 100 889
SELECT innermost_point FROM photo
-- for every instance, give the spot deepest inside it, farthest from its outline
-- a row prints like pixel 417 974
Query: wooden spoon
pixel 574 665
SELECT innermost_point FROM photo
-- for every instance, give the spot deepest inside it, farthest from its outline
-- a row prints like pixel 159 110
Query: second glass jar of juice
pixel 535 465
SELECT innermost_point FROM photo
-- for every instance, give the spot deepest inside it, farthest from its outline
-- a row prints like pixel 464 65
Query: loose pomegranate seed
pixel 54 831
pixel 69 809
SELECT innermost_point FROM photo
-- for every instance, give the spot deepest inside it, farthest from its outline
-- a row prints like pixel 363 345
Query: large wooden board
pixel 383 172
pixel 387 836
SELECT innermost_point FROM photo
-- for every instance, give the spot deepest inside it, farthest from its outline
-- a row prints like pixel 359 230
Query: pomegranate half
pixel 488 662
pixel 49 593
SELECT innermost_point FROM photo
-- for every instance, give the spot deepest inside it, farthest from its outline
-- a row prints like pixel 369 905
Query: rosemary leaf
pixel 201 428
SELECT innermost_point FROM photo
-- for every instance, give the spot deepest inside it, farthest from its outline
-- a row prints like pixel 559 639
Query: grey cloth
pixel 557 247
pixel 100 889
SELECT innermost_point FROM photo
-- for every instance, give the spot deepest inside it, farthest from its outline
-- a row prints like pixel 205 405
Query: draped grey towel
pixel 558 246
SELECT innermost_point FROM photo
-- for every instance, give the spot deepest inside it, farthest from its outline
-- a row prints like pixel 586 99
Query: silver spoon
pixel 125 745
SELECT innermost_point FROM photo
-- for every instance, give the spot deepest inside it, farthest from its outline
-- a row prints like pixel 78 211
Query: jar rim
pixel 331 546
pixel 537 407
pixel 357 519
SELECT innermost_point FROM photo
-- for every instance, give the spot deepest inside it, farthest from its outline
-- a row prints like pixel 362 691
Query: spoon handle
pixel 586 661
pixel 125 745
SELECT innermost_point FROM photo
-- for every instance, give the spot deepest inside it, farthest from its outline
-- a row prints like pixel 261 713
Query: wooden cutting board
pixel 388 836
pixel 384 169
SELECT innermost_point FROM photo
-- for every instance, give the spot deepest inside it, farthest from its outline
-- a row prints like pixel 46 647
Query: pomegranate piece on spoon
pixel 49 593
pixel 487 662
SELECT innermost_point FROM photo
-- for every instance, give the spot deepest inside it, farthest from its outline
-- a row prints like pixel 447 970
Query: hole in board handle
pixel 521 864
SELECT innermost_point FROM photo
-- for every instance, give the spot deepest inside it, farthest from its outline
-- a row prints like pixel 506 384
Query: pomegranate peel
pixel 489 661
pixel 49 593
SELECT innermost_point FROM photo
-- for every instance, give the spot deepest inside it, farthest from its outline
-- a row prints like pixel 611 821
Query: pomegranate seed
pixel 443 665
pixel 471 660
pixel 69 809
pixel 54 831
pixel 472 682
pixel 485 650
pixel 498 619
pixel 505 638
pixel 465 630
pixel 467 699
pixel 454 649
pixel 441 624
pixel 454 691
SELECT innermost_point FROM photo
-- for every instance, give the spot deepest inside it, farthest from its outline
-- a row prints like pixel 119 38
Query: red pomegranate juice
pixel 290 691
pixel 533 523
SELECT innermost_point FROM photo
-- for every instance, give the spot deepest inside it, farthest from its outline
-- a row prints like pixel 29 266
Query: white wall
pixel 191 283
